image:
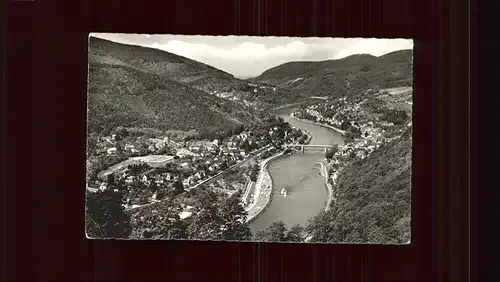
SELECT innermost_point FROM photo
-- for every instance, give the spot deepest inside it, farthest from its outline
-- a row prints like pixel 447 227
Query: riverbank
pixel 324 168
pixel 324 173
pixel 327 176
pixel 318 124
pixel 263 190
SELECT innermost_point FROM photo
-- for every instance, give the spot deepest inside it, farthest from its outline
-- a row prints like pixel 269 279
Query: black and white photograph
pixel 249 139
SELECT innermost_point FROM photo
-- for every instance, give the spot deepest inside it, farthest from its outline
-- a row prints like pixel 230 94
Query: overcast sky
pixel 245 56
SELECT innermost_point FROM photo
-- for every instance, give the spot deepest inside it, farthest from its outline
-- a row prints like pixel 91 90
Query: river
pixel 300 175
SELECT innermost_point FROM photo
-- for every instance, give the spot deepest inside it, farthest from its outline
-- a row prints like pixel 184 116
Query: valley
pixel 179 146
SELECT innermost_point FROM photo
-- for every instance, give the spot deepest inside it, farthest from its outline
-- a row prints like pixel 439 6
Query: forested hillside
pixel 338 78
pixel 374 196
pixel 124 96
pixel 188 72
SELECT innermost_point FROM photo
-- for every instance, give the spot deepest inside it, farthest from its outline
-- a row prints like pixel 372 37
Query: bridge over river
pixel 307 194
pixel 313 146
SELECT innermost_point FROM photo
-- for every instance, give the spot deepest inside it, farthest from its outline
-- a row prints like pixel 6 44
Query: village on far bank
pixel 367 122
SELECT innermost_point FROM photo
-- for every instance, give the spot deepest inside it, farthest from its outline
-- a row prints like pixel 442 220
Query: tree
pixel 161 194
pixel 345 125
pixel 178 188
pixel 206 223
pixel 295 234
pixel 120 133
pixel 159 221
pixel 91 143
pixel 235 227
pixel 330 152
pixel 153 187
pixel 119 146
pixel 165 150
pixel 276 232
pixel 244 145
pixel 254 172
pixel 396 116
pixel 105 209
pixel 110 179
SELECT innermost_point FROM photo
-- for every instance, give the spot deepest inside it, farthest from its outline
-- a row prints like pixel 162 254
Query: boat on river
pixel 283 192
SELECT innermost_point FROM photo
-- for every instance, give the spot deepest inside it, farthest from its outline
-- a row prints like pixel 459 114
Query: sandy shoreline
pixel 263 190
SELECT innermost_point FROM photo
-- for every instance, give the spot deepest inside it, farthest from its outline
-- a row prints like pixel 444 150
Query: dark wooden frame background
pixel 46 81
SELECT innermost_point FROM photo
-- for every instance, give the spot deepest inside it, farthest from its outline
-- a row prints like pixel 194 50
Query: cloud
pixel 250 58
pixel 244 59
pixel 246 51
pixel 245 56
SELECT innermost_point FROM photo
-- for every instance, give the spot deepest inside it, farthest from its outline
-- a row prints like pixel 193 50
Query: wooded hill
pixel 346 76
pixel 125 89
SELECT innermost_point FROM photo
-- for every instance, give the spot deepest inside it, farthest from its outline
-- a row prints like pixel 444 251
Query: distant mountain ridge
pixel 147 87
pixel 344 76
pixel 192 73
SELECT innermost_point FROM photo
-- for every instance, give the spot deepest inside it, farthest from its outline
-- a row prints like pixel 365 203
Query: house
pixel 159 145
pixel 144 178
pixel 129 179
pixel 129 147
pixel 103 186
pixel 195 148
pixel 183 152
pixel 185 182
pixel 185 214
pixel 111 150
pixel 200 174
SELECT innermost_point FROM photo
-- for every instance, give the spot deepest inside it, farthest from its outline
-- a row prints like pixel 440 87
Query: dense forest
pixel 343 77
pixel 213 219
pixel 373 199
pixel 127 97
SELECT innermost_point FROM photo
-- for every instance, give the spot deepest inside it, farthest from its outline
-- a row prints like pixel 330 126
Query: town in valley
pixel 308 149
